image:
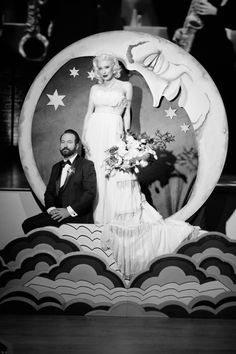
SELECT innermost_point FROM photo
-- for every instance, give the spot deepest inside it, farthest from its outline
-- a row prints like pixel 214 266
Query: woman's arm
pixel 129 96
pixel 90 110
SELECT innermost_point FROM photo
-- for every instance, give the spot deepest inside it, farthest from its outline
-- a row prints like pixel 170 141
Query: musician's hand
pixel 59 214
pixel 205 8
pixel 180 36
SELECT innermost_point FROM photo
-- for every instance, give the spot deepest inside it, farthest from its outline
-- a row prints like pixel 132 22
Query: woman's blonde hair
pixel 106 56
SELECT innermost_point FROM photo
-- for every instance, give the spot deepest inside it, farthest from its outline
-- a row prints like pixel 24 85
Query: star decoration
pixel 74 72
pixel 170 112
pixel 55 100
pixel 91 75
pixel 185 127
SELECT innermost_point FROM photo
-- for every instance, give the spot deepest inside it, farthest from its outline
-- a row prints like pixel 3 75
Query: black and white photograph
pixel 118 177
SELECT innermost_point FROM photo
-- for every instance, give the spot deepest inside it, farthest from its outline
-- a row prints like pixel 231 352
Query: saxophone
pixel 184 37
pixel 33 45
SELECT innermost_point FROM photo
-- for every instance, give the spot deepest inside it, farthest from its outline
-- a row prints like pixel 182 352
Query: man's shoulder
pixel 57 164
pixel 86 161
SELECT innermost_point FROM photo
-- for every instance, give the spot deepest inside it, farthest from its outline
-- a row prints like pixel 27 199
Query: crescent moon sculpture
pixel 166 68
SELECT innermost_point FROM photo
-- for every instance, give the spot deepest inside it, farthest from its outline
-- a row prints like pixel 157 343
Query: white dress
pixel 134 231
pixel 103 130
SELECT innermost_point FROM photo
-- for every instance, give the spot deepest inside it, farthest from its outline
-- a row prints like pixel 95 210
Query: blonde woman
pixel 134 231
pixel 106 120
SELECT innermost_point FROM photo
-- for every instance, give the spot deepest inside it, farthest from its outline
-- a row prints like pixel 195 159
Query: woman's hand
pixel 205 8
pixel 86 149
pixel 85 144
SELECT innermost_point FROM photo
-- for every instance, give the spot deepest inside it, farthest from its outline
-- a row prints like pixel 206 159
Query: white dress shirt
pixel 65 170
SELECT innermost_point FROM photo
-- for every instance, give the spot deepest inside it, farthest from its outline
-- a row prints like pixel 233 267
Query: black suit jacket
pixel 78 191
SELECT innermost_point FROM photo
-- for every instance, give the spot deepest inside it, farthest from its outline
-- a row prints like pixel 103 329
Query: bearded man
pixel 71 189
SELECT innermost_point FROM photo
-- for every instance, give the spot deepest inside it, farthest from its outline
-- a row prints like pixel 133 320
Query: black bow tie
pixel 64 163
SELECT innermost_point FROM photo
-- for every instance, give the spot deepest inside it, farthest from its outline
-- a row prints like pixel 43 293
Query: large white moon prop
pixel 166 68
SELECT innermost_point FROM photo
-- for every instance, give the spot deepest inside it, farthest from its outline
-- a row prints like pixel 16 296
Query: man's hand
pixel 59 214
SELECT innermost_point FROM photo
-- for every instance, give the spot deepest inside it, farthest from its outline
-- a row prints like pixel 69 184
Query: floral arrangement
pixel 135 151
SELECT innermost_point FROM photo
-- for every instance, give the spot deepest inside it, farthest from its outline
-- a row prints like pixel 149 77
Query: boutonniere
pixel 71 171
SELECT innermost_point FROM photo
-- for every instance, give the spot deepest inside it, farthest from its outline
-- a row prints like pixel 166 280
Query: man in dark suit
pixel 71 189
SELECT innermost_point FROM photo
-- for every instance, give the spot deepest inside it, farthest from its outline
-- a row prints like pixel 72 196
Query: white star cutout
pixel 170 112
pixel 185 127
pixel 74 72
pixel 55 100
pixel 91 75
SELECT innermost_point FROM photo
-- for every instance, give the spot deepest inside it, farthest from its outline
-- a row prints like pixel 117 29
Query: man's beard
pixel 66 152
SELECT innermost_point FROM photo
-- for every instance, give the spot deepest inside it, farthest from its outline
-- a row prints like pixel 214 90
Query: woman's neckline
pixel 108 86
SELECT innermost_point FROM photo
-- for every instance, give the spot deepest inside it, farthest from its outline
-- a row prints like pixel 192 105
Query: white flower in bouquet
pixel 119 161
pixel 122 150
pixel 143 163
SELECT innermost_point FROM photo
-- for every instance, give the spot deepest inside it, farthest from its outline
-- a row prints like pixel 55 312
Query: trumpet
pixel 184 37
pixel 33 45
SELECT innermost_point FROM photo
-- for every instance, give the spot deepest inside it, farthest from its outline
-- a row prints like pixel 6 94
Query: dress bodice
pixel 109 100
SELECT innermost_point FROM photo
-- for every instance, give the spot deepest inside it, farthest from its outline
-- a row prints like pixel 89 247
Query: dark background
pixel 61 22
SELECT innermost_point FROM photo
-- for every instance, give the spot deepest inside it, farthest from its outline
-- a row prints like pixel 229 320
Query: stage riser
pixel 65 271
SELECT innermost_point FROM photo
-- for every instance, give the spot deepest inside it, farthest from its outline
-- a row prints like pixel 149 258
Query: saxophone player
pixel 213 49
pixel 194 21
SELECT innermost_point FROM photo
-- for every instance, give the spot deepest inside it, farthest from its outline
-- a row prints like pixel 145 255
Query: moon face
pixel 172 87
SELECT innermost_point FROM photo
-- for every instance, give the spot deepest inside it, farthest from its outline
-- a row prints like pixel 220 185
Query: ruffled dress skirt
pixel 137 233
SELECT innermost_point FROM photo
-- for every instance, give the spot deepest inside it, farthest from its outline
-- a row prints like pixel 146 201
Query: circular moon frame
pixel 167 70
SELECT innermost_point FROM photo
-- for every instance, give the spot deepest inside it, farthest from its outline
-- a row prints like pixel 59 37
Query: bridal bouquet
pixel 135 151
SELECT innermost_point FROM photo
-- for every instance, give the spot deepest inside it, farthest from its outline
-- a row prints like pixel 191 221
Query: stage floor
pixel 84 335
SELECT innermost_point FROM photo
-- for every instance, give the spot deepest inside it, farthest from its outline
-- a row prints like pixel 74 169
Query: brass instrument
pixel 33 45
pixel 184 37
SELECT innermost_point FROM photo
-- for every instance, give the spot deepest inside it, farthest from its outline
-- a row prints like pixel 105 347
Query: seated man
pixel 71 189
